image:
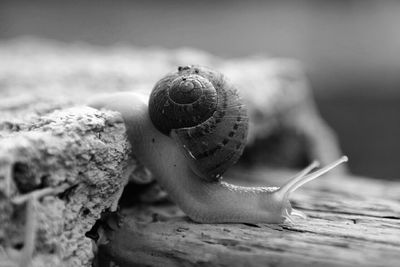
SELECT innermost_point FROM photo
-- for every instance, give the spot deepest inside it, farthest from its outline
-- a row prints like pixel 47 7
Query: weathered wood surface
pixel 352 221
pixel 48 138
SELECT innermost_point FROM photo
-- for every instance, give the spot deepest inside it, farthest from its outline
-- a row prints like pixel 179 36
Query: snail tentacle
pixel 302 179
pixel 298 213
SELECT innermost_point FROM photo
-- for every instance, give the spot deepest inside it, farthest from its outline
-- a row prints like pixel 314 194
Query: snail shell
pixel 204 113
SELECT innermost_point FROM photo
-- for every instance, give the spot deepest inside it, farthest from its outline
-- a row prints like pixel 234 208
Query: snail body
pixel 170 155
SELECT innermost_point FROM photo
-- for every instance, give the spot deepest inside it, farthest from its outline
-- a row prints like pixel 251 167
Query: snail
pixel 188 132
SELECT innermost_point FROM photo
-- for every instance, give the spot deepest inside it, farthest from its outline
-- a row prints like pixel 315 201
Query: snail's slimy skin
pixel 202 201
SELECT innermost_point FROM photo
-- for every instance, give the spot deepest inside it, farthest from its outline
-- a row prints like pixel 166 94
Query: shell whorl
pixel 204 113
pixel 182 99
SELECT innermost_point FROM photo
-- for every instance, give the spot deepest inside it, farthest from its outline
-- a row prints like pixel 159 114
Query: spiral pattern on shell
pixel 206 116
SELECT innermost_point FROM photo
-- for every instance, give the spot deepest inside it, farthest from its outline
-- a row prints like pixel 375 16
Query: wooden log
pixel 352 221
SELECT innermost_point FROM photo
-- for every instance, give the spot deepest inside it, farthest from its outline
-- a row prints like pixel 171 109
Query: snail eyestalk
pixel 302 178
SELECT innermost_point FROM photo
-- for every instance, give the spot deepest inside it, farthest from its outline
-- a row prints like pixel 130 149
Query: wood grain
pixel 345 227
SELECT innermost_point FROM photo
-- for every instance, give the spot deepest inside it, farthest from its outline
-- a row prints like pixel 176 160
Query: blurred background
pixel 350 50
